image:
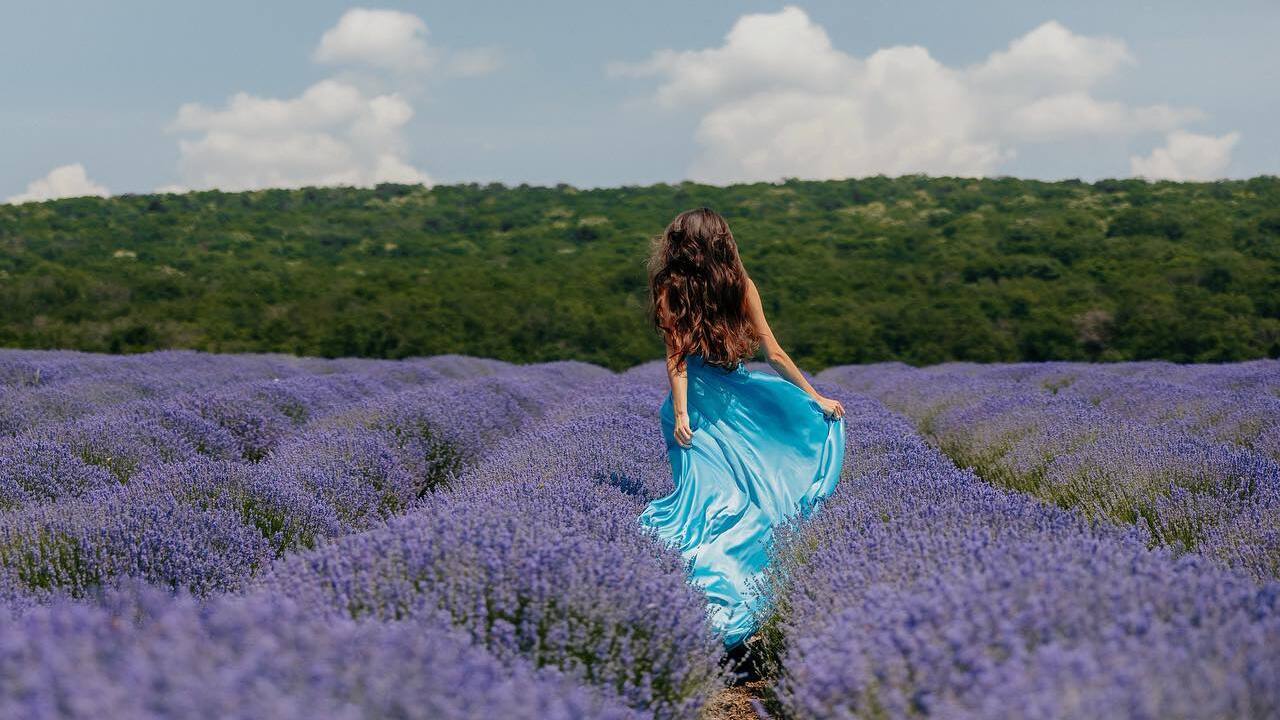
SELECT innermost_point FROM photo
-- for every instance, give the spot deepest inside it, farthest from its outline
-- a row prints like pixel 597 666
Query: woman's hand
pixel 831 408
pixel 683 433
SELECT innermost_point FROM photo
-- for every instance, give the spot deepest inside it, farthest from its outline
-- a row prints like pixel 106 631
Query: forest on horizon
pixel 913 268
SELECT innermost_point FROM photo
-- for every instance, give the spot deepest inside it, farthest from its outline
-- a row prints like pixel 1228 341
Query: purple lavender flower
pixel 1180 450
pixel 77 545
pixel 35 471
pixel 148 654
pixel 284 511
pixel 557 573
pixel 920 590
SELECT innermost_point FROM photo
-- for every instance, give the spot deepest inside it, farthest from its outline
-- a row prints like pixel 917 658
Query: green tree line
pixel 912 268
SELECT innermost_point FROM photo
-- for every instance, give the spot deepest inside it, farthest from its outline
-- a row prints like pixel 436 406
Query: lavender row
pixel 1255 377
pixel 209 524
pixel 1233 403
pixel 39 387
pixel 535 552
pixel 242 421
pixel 1247 416
pixel 570 583
pixel 351 468
pixel 1054 433
pixel 246 422
pixel 290 398
pixel 918 590
pixel 184 370
pixel 143 653
pixel 46 369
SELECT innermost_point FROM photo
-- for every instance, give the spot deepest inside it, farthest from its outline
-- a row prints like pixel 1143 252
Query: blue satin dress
pixel 762 451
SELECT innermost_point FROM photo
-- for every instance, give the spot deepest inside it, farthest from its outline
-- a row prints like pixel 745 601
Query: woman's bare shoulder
pixel 755 306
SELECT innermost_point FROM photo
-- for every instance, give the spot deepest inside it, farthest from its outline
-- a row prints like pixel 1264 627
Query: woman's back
pixel 747 448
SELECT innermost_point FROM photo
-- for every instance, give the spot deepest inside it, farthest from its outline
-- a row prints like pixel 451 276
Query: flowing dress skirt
pixel 762 451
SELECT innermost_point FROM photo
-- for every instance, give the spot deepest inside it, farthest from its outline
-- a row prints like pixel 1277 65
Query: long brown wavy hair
pixel 698 291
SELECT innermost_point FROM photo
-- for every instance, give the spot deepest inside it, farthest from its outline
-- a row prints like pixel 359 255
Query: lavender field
pixel 219 536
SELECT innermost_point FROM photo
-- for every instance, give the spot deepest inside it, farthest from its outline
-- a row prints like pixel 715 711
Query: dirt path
pixel 734 703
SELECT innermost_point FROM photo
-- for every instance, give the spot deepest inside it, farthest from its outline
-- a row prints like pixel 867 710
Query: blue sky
pixel 135 96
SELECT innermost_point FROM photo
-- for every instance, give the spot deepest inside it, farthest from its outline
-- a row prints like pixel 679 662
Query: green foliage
pixel 912 268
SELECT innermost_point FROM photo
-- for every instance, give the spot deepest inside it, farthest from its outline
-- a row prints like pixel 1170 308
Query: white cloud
pixel 1079 114
pixel 385 39
pixel 777 99
pixel 338 131
pixel 904 113
pixel 63 181
pixel 1051 58
pixel 1187 156
pixel 332 134
pixel 782 51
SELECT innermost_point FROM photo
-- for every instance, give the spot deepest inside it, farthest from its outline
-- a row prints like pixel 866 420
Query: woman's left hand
pixel 831 408
pixel 683 432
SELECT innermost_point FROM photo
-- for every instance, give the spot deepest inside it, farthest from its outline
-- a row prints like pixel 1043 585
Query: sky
pixel 138 96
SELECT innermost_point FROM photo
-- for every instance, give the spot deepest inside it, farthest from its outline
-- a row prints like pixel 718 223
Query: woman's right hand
pixel 831 408
pixel 683 433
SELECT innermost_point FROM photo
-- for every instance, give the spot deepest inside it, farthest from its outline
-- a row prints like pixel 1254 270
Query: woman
pixel 747 448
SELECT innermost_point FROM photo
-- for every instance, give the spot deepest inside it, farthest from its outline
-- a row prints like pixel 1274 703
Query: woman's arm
pixel 679 379
pixel 778 358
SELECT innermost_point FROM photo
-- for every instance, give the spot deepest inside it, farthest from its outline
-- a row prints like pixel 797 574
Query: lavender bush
pixel 35 471
pixel 196 491
pixel 79 545
pixel 147 654
pixel 920 591
pixel 278 506
pixel 536 552
pixel 1123 447
pixel 554 570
